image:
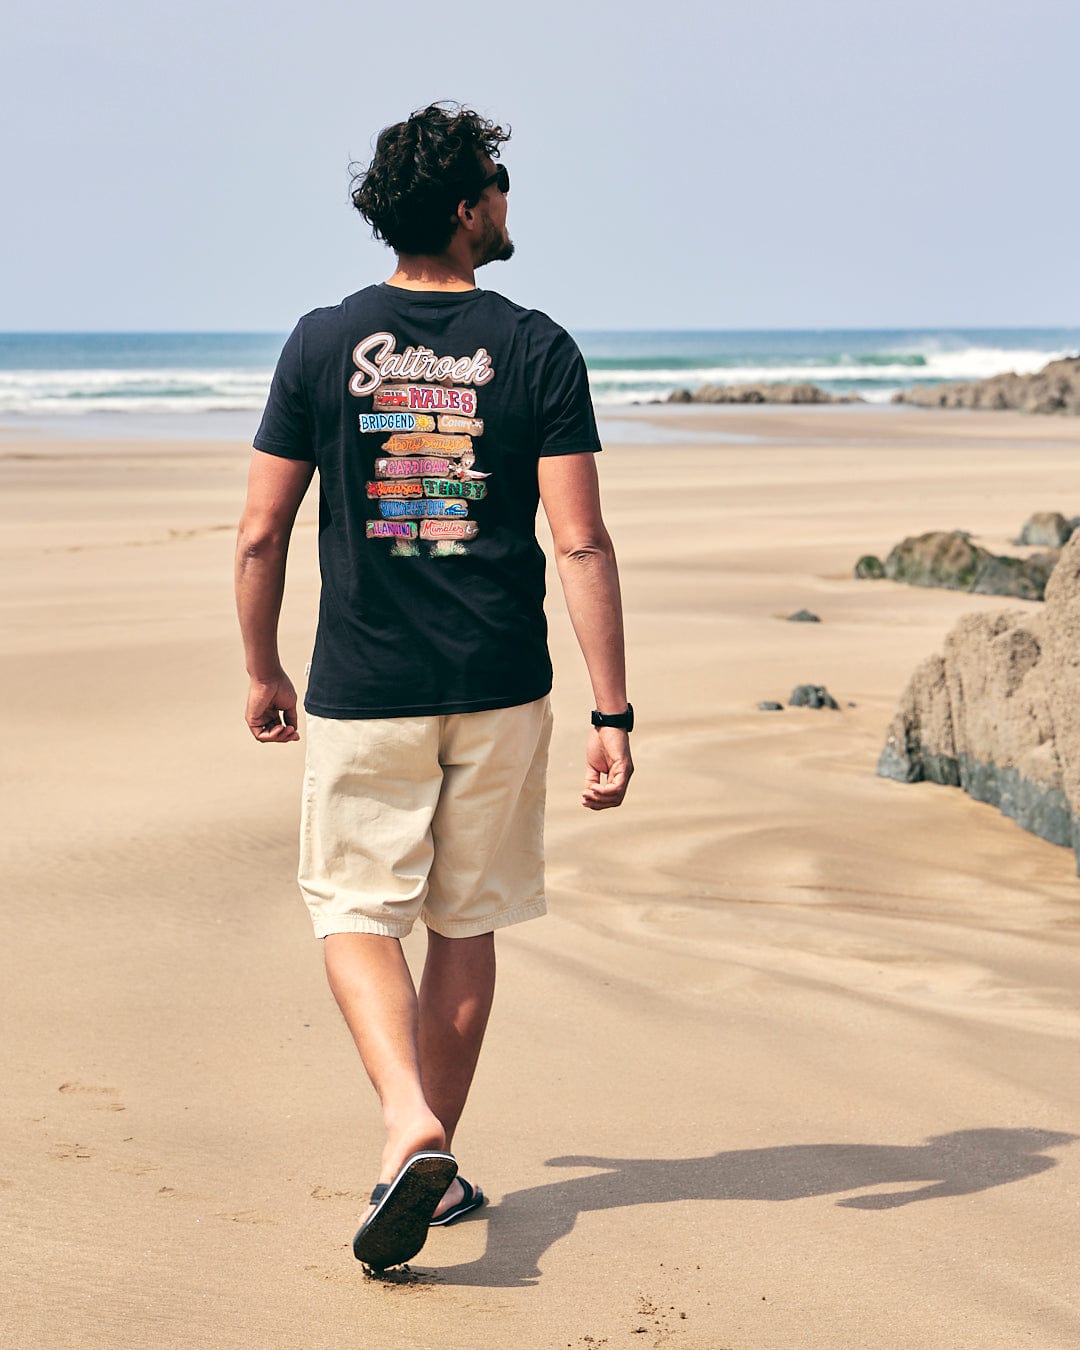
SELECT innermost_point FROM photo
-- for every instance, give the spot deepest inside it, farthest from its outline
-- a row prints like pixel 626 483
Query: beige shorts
pixel 440 818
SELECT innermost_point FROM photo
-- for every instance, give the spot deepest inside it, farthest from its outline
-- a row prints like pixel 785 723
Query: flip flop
pixel 474 1198
pixel 396 1230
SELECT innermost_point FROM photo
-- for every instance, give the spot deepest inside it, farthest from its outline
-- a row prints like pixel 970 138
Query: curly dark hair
pixel 422 169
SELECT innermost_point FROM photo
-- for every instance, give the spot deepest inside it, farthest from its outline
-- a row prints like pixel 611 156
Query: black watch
pixel 621 721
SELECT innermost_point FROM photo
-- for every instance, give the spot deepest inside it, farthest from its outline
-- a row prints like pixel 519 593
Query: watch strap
pixel 623 721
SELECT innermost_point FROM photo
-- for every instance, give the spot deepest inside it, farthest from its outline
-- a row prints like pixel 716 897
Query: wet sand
pixel 791 1063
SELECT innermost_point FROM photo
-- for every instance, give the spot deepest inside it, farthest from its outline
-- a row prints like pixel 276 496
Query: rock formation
pixel 998 713
pixel 949 559
pixel 759 393
pixel 803 616
pixel 1054 389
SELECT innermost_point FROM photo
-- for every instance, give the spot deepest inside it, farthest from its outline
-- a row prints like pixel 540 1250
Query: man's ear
pixel 464 214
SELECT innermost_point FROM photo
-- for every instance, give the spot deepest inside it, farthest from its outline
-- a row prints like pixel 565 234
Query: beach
pixel 790 1063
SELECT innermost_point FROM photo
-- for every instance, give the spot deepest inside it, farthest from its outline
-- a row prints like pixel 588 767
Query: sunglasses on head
pixel 501 179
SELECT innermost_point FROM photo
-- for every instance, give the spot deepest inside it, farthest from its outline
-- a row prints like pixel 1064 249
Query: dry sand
pixel 792 1063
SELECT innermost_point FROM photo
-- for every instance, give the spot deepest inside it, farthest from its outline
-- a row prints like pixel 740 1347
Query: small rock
pixel 803 616
pixel 870 568
pixel 770 705
pixel 1046 529
pixel 811 696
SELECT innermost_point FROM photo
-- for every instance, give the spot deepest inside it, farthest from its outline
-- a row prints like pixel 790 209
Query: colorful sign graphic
pixel 426 398
pixel 413 467
pixel 470 426
pixel 392 529
pixel 400 421
pixel 425 479
pixel 454 487
pixel 400 490
pixel 449 529
pixel 442 445
pixel 415 510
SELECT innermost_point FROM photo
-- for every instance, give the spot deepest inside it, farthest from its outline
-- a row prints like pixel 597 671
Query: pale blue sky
pixel 829 163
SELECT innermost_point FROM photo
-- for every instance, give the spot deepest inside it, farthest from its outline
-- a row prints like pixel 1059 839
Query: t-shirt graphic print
pixel 426 413
pixel 427 481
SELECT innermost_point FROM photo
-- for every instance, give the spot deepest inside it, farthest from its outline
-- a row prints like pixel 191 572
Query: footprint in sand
pixel 248 1216
pixel 325 1193
pixel 62 1152
pixel 100 1098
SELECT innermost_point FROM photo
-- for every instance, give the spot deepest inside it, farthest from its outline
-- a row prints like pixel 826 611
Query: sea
pixel 216 383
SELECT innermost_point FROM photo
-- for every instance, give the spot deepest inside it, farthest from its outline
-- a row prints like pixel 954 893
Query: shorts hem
pixel 462 928
pixel 360 923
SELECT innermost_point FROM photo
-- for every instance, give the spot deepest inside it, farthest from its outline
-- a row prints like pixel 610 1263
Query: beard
pixel 494 245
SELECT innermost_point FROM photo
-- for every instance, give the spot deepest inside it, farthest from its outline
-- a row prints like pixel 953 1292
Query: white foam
pixel 169 390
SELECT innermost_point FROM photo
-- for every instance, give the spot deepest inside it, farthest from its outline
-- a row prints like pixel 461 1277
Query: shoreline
pixel 619 424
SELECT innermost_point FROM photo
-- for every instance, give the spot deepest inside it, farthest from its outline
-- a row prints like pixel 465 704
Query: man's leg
pixel 455 999
pixel 374 990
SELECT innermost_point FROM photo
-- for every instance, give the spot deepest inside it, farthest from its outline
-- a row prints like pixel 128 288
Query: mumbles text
pixel 414 510
pixel 401 421
pixel 376 360
pixel 453 487
pixel 448 529
pixel 391 529
pixel 411 468
pixel 427 398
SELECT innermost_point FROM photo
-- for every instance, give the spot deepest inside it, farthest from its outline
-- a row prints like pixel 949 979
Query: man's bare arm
pixel 276 488
pixel 585 558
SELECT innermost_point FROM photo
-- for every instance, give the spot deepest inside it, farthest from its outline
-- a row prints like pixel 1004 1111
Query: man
pixel 437 415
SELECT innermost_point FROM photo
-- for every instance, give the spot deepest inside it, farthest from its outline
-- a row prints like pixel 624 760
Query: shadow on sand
pixel 525 1223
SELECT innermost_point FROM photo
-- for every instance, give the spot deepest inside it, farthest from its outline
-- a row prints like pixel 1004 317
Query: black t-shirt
pixel 426 413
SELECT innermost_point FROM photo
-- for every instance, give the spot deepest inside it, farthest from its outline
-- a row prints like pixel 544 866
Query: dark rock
pixel 870 568
pixel 950 560
pixel 781 392
pixel 1046 529
pixel 938 558
pixel 811 696
pixel 803 616
pixel 770 705
pixel 1054 389
pixel 1022 578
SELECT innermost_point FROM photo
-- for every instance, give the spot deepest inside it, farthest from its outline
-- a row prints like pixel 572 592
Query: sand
pixel 792 1062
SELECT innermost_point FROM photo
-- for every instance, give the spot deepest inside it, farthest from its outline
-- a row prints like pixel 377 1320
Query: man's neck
pixel 418 272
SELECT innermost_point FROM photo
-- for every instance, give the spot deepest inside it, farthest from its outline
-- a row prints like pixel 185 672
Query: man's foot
pixel 422 1133
pixel 460 1199
pixel 398 1225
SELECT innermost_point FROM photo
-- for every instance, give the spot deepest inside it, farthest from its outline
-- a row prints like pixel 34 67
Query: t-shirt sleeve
pixel 567 421
pixel 285 429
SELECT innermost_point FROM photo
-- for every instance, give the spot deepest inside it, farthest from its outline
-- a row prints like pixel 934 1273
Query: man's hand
pixel 608 757
pixel 271 710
